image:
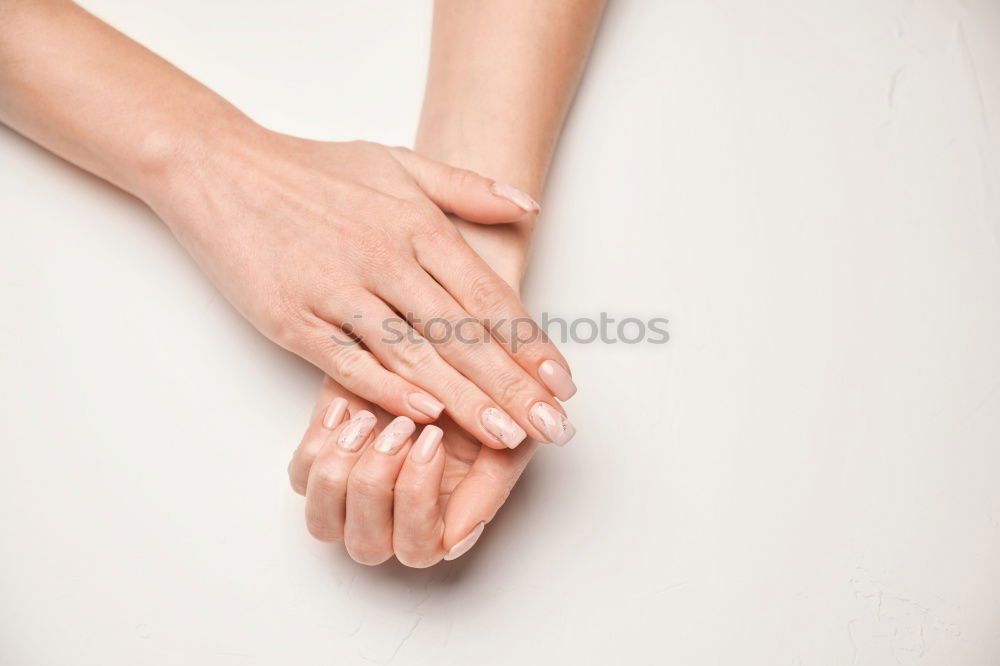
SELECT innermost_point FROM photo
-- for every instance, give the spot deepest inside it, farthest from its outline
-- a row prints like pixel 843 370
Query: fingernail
pixel 426 405
pixel 503 427
pixel 520 199
pixel 334 413
pixel 356 431
pixel 557 379
pixel 427 444
pixel 392 437
pixel 463 546
pixel 551 422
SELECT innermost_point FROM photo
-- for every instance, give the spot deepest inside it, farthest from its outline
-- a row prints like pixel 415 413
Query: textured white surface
pixel 806 474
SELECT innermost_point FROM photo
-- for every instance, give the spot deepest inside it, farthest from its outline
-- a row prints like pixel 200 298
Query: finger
pixel 404 351
pixel 325 417
pixel 326 488
pixel 485 296
pixel 460 339
pixel 340 356
pixel 418 527
pixel 368 527
pixel 465 193
pixel 478 497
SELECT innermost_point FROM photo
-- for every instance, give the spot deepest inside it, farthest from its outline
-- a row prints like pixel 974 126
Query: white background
pixel 806 474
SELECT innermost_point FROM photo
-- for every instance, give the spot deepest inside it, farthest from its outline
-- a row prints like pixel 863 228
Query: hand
pixel 311 239
pixel 384 494
pixel 472 482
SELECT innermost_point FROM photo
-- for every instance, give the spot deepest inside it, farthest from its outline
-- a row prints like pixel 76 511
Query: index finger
pixel 484 295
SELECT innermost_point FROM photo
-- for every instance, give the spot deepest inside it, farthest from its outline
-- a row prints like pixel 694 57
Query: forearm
pixel 501 77
pixel 93 96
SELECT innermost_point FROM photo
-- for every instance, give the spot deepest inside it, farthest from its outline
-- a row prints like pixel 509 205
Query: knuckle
pixel 485 294
pixel 438 326
pixel 286 333
pixel 373 244
pixel 321 529
pixel 413 357
pixel 507 387
pixel 462 397
pixel 527 337
pixel 325 482
pixel 350 365
pixel 364 483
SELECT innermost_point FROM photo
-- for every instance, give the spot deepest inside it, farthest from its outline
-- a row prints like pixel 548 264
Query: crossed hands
pixel 343 253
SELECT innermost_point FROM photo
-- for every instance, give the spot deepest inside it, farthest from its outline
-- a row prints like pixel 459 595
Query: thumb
pixel 465 193
pixel 478 497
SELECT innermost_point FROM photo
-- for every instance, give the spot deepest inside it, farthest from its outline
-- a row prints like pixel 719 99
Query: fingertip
pixel 335 413
pixel 426 446
pixel 426 408
pixel 466 543
pixel 524 201
pixel 557 379
pixel 394 436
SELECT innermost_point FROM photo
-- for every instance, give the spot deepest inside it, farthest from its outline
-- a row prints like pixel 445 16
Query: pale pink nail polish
pixel 501 426
pixel 334 413
pixel 557 379
pixel 426 405
pixel 394 435
pixel 426 445
pixel 356 431
pixel 463 546
pixel 520 199
pixel 551 422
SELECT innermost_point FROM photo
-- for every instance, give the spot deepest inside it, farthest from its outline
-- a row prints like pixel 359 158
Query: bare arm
pixel 88 93
pixel 302 236
pixel 502 75
pixel 500 81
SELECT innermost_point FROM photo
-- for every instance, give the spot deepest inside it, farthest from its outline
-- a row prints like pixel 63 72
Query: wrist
pixel 505 247
pixel 174 157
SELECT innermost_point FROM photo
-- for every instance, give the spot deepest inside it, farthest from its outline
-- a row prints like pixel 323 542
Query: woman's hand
pixel 323 245
pixel 306 238
pixel 385 488
pixel 470 482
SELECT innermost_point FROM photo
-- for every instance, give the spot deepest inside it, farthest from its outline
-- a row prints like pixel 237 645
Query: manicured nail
pixel 551 422
pixel 557 379
pixel 463 546
pixel 426 405
pixel 520 199
pixel 503 427
pixel 392 437
pixel 356 431
pixel 334 413
pixel 426 445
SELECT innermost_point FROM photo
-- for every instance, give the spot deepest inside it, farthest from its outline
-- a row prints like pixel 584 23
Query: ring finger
pixel 368 527
pixel 403 351
pixel 326 488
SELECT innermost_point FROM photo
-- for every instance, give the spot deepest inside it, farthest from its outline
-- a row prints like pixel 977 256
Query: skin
pixel 488 60
pixel 301 236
